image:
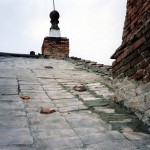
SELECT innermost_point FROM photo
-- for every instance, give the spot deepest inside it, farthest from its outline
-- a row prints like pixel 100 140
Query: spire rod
pixel 53 4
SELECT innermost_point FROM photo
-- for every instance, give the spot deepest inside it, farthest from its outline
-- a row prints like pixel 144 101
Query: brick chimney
pixel 55 46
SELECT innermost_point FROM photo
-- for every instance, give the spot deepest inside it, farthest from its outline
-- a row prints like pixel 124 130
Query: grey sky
pixel 94 27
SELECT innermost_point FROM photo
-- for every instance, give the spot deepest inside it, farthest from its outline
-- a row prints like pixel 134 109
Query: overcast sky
pixel 94 27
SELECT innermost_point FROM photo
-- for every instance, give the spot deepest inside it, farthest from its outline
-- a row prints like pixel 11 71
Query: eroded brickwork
pixel 138 12
pixel 57 48
pixel 131 68
pixel 133 56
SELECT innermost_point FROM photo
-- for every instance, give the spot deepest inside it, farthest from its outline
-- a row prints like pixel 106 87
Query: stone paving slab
pixel 13 122
pixel 54 92
pixel 59 95
pixel 109 145
pixel 75 125
pixel 67 102
pixel 72 108
pixel 49 126
pixel 88 97
pixel 13 113
pixel 7 73
pixel 105 109
pixel 31 87
pixel 13 98
pixel 19 147
pixel 54 133
pixel 36 104
pixel 8 81
pixel 32 91
pixel 39 100
pixel 8 91
pixel 23 137
pixel 11 105
pixel 29 83
pixel 56 120
pixel 84 120
pixel 60 143
pixel 48 82
pixel 52 88
pixel 34 95
pixel 5 91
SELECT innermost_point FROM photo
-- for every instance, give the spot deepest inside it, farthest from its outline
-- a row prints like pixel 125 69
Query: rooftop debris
pixel 48 67
pixel 80 88
pixel 25 97
pixel 47 111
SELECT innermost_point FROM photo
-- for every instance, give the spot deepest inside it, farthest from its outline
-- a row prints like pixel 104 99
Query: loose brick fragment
pixel 80 88
pixel 25 97
pixel 47 111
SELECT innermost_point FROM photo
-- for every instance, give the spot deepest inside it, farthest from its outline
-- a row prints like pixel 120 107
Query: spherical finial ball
pixel 54 15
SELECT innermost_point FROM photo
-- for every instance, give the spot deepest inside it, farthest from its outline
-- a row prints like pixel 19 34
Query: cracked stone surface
pixel 86 120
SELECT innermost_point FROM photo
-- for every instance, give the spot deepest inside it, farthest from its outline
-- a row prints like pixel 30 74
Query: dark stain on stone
pixel 48 67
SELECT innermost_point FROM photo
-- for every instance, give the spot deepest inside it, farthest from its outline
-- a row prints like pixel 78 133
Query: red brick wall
pixel 57 48
pixel 133 56
pixel 138 12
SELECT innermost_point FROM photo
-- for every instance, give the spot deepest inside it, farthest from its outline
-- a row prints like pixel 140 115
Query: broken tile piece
pixel 80 88
pixel 25 97
pixel 47 111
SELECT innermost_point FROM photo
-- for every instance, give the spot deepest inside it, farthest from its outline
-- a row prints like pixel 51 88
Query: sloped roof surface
pixel 82 117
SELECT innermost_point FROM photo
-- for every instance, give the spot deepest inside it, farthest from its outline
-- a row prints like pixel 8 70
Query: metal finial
pixel 53 4
pixel 54 16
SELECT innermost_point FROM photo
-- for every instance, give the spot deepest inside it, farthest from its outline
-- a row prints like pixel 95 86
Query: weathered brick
pixel 136 60
pixel 135 56
pixel 137 44
pixel 139 74
pixel 118 73
pixel 144 64
pixel 118 66
pixel 126 67
pixel 147 36
pixel 146 54
pixel 145 47
pixel 126 53
pixel 57 48
pixel 146 79
pixel 148 69
pixel 134 51
pixel 130 57
pixel 119 58
pixel 131 71
pixel 114 63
